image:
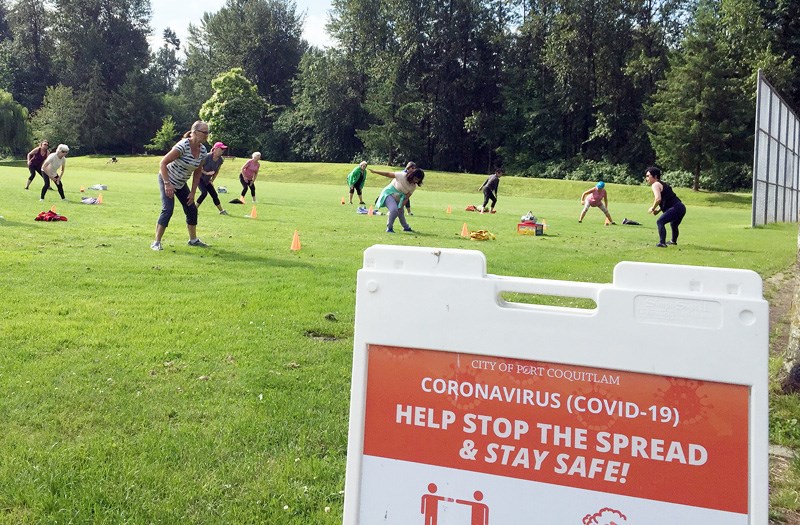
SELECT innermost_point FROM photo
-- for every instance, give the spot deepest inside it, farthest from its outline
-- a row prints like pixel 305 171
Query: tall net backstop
pixel 776 162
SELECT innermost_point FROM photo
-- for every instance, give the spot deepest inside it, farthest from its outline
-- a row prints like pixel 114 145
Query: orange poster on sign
pixel 646 436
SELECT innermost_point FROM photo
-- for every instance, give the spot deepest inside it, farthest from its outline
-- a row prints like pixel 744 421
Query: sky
pixel 176 15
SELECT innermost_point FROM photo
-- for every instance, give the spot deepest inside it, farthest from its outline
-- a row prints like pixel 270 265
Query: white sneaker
pixel 197 242
pixel 223 212
pixel 156 246
pixel 254 200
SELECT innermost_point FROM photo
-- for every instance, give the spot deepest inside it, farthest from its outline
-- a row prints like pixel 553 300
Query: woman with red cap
pixel 211 165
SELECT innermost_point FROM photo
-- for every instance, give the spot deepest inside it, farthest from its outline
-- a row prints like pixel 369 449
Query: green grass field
pixel 211 385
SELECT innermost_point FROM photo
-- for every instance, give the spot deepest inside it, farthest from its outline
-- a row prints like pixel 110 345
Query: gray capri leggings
pixel 168 205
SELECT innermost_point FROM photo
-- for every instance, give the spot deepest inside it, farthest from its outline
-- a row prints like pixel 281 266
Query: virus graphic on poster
pixel 685 393
pixel 600 421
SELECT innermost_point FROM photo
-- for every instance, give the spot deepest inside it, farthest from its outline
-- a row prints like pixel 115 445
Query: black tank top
pixel 668 197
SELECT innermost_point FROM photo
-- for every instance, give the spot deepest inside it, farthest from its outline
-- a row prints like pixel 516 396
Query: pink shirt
pixel 596 196
pixel 250 170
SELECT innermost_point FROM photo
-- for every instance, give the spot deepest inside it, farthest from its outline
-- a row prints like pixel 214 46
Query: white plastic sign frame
pixel 651 407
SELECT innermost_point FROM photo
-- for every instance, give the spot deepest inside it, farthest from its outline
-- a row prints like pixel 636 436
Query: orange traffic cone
pixel 449 209
pixel 99 198
pixel 464 230
pixel 253 213
pixel 342 200
pixel 295 242
pixel 83 189
pixel 53 208
pixel 370 211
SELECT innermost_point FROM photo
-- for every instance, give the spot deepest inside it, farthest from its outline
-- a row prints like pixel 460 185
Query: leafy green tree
pixel 235 112
pixel 165 138
pixel 58 119
pixel 14 133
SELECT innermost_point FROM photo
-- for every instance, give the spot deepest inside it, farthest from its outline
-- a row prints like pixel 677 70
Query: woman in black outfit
pixel 668 204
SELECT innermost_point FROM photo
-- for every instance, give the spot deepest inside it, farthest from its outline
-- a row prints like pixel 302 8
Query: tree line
pixel 581 89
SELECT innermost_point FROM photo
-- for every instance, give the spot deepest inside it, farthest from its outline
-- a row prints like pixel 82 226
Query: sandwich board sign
pixel 468 409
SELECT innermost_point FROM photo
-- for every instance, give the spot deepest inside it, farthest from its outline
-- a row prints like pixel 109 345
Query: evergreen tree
pixel 107 35
pixel 698 120
pixel 782 20
pixel 165 138
pixel 165 65
pixel 134 110
pixel 96 130
pixel 321 125
pixel 30 52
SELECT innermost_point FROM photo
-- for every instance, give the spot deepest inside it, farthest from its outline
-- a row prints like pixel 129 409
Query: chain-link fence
pixel 776 161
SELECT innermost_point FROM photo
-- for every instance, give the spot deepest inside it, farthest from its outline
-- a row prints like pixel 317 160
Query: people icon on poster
pixel 430 505
pixel 479 512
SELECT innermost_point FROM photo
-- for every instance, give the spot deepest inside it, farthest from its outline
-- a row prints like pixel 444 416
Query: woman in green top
pixel 356 180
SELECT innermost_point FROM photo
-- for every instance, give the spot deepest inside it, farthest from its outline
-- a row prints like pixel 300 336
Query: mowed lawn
pixel 211 385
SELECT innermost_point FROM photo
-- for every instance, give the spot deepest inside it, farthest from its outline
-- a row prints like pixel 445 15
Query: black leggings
pixel 245 185
pixel 34 171
pixel 206 188
pixel 46 187
pixel 672 216
pixel 487 196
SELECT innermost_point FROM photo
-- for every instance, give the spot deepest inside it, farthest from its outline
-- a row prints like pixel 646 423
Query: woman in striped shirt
pixel 183 161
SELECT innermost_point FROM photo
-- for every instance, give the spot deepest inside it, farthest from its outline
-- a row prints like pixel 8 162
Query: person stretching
pixel 183 163
pixel 664 200
pixel 248 176
pixel 356 179
pixel 598 198
pixel 36 158
pixel 489 188
pixel 211 166
pixel 396 192
pixel 55 161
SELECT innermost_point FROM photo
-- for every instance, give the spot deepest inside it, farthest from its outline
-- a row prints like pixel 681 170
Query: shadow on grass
pixel 14 163
pixel 16 224
pixel 233 256
pixel 723 250
pixel 730 198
